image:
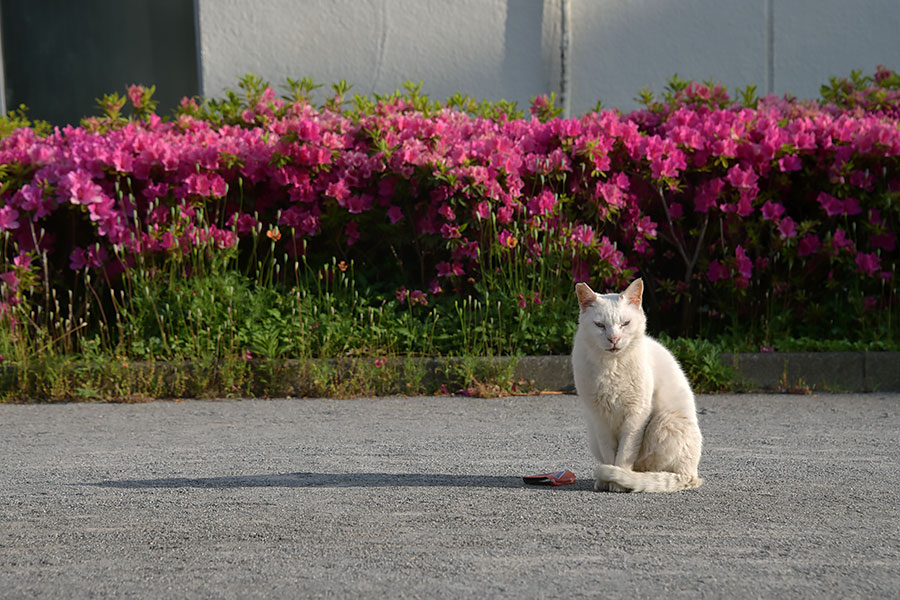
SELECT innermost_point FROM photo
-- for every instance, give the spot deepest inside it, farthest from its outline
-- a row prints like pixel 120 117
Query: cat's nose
pixel 614 339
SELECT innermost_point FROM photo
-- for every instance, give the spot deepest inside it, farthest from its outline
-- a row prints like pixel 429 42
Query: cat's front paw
pixel 608 486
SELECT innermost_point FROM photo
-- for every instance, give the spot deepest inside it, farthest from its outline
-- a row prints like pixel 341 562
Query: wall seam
pixel 770 46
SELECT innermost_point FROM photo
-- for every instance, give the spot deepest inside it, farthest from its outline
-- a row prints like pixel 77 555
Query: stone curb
pixel 777 371
pixel 782 371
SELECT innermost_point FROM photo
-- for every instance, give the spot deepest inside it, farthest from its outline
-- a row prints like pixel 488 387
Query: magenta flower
pixel 885 241
pixel 418 297
pixel 447 212
pixel 790 163
pixel 507 239
pixel 742 178
pixel 542 204
pixel 744 264
pixel 483 210
pixel 10 279
pixel 136 95
pixel 851 207
pixel 352 232
pixel 833 206
pixel 716 271
pixel 809 245
pixel 339 190
pixel 583 234
pixel 9 218
pixel 840 241
pixel 707 194
pixel 868 263
pixel 787 228
pixel 446 269
pixel 646 227
pixel 394 214
pixel 772 211
pixel 581 270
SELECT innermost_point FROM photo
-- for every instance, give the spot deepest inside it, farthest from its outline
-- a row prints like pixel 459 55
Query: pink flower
pixel 418 297
pixel 522 303
pixel 742 178
pixel 716 271
pixel 885 241
pixel 809 245
pixel 352 232
pixel 435 287
pixel 242 222
pixel 507 239
pixel 217 186
pixel 445 269
pixel 583 234
pixel 744 264
pixel 339 190
pixel 483 210
pixel 646 226
pixel 447 212
pixel 394 214
pixel 450 232
pixel 402 294
pixel 542 204
pixel 840 241
pixel 23 260
pixel 868 263
pixel 833 206
pixel 581 270
pixel 466 249
pixel 772 211
pixel 136 95
pixel 356 204
pixel 676 210
pixel 380 362
pixel 10 279
pixel 790 163
pixel 787 228
pixel 707 194
pixel 851 207
pixel 8 218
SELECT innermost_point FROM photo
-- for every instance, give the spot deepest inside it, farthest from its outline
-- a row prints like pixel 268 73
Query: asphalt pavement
pixel 423 497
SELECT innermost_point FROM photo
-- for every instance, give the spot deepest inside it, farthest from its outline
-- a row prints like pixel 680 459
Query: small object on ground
pixel 554 479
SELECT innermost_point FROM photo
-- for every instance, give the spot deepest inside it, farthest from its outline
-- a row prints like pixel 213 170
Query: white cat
pixel 641 412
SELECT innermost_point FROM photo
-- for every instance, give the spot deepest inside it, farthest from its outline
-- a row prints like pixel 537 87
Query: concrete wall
pixel 512 48
pixel 485 48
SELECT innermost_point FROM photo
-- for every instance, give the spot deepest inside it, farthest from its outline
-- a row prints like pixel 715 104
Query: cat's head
pixel 612 321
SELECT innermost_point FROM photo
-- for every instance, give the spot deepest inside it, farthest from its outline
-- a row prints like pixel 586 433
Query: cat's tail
pixel 652 481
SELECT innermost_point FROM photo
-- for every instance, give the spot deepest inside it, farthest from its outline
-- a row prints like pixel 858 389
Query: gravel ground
pixel 423 497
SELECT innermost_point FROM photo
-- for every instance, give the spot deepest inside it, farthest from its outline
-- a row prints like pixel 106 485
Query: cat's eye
pixel 625 324
pixel 600 325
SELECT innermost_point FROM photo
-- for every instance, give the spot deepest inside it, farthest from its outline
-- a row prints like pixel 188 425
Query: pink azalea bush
pixel 725 208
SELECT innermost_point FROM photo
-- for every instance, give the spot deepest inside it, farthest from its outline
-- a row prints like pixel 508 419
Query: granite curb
pixel 775 371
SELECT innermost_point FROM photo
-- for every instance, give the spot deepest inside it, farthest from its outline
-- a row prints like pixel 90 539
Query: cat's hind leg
pixel 672 442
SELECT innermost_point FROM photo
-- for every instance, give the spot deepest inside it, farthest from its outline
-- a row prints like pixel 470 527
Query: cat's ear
pixel 586 295
pixel 634 292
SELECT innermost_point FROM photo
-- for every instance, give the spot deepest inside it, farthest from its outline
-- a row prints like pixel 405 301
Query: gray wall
pixel 511 48
pixel 59 56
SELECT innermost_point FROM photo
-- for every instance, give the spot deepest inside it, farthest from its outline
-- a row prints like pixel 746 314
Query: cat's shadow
pixel 336 480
